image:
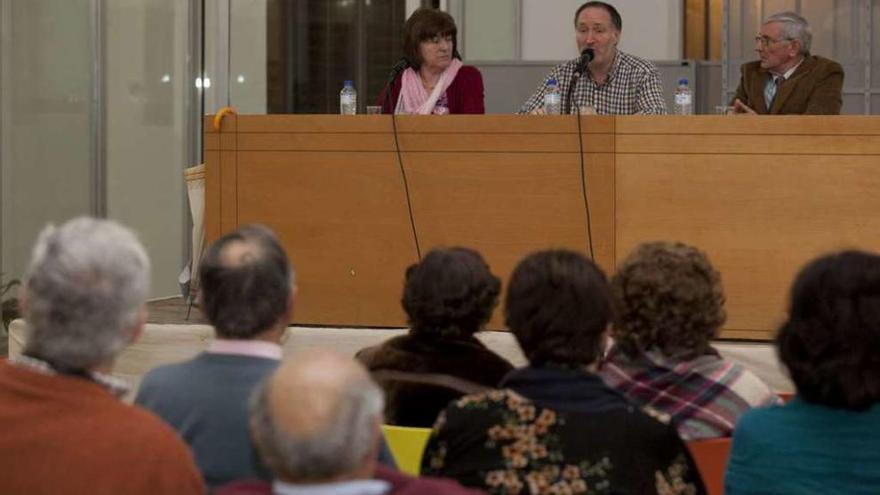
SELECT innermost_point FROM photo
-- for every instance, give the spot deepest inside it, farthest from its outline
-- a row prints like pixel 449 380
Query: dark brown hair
pixel 558 307
pixel 615 15
pixel 423 25
pixel 831 341
pixel 450 293
pixel 245 294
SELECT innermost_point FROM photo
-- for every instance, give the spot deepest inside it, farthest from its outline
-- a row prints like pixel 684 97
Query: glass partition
pixel 47 145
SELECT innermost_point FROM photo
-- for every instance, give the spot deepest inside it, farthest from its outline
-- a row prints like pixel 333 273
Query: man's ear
pixel 22 300
pixel 138 328
pixel 291 302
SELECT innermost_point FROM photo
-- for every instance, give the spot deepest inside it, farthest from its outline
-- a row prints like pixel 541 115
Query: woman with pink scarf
pixel 436 82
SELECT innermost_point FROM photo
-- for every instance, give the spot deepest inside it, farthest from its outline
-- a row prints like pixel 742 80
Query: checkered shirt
pixel 704 397
pixel 632 87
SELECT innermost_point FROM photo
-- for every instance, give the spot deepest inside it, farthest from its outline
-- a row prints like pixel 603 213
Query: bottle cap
pixel 683 80
pixel 348 83
pixel 552 82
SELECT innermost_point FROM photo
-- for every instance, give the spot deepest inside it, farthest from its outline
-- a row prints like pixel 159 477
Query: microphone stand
pixel 401 64
pixel 586 58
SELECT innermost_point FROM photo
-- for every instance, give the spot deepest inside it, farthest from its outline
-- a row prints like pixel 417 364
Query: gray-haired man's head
pixel 85 292
pixel 246 283
pixel 794 27
pixel 317 418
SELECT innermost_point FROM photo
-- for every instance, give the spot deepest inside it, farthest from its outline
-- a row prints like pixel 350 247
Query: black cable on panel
pixel 577 114
pixel 412 221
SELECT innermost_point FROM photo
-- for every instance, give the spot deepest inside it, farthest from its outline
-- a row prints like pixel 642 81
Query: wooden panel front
pixel 343 220
pixel 761 205
pixel 333 189
pixel 762 195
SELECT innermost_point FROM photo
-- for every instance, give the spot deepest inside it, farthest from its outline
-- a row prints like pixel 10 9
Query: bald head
pixel 317 419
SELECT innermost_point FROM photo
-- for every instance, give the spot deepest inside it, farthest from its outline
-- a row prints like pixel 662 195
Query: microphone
pixel 399 67
pixel 587 56
pixel 401 64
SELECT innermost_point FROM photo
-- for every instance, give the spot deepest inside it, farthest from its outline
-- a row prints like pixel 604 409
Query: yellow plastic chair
pixel 407 445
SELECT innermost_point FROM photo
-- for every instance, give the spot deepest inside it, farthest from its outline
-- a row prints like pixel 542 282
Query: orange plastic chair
pixel 711 458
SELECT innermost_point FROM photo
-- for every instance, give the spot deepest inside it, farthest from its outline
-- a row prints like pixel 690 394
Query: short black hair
pixel 244 293
pixel 831 340
pixel 558 307
pixel 450 293
pixel 615 15
pixel 422 25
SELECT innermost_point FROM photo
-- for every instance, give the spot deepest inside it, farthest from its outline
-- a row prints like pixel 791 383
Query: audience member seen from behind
pixel 787 79
pixel 448 297
pixel 436 82
pixel 825 440
pixel 556 427
pixel 614 83
pixel 316 424
pixel 669 305
pixel 65 430
pixel 247 293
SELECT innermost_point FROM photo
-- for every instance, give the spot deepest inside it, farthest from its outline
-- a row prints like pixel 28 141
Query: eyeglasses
pixel 439 38
pixel 765 41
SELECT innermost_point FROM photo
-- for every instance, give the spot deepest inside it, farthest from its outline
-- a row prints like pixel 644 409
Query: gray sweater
pixel 206 400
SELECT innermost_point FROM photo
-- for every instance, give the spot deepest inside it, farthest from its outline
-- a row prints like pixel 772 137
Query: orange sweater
pixel 61 434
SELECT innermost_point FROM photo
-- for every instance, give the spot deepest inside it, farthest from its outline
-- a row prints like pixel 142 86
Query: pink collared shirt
pixel 254 348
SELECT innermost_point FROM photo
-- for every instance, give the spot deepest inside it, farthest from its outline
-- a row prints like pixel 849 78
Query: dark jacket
pixel 421 374
pixel 815 88
pixel 554 430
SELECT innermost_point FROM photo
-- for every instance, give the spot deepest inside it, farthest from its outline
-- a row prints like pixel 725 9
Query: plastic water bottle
pixel 348 99
pixel 552 98
pixel 684 99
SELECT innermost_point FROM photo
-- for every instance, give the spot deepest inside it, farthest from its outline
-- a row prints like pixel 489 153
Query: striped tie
pixel 770 90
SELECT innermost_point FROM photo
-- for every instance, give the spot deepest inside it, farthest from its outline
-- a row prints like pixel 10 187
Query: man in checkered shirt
pixel 615 83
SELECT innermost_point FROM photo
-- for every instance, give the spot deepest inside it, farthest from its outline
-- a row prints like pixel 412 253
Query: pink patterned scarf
pixel 414 98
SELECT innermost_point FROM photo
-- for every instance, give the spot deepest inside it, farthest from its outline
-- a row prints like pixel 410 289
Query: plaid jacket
pixel 633 87
pixel 704 397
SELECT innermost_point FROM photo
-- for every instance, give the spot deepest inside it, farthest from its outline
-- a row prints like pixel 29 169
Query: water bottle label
pixel 683 99
pixel 347 99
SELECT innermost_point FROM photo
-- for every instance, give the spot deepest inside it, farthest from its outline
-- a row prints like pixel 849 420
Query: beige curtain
pixel 195 188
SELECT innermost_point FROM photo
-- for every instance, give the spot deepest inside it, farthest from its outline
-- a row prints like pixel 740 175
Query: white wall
pixel 651 29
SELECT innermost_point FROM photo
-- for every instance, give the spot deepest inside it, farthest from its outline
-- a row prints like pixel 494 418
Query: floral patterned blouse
pixel 558 431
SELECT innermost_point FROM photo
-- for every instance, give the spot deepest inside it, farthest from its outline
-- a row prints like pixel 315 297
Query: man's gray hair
pixel 337 447
pixel 794 27
pixel 86 285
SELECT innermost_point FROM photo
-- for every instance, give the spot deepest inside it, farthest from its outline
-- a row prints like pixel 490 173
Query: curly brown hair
pixel 450 293
pixel 667 297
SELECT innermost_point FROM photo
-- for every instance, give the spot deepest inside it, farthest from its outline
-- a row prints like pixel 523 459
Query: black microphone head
pixel 401 64
pixel 588 54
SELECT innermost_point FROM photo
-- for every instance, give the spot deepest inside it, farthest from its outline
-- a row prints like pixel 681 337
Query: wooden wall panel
pixel 761 194
pixel 343 219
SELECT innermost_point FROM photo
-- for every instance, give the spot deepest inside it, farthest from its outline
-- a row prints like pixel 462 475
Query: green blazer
pixel 815 88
